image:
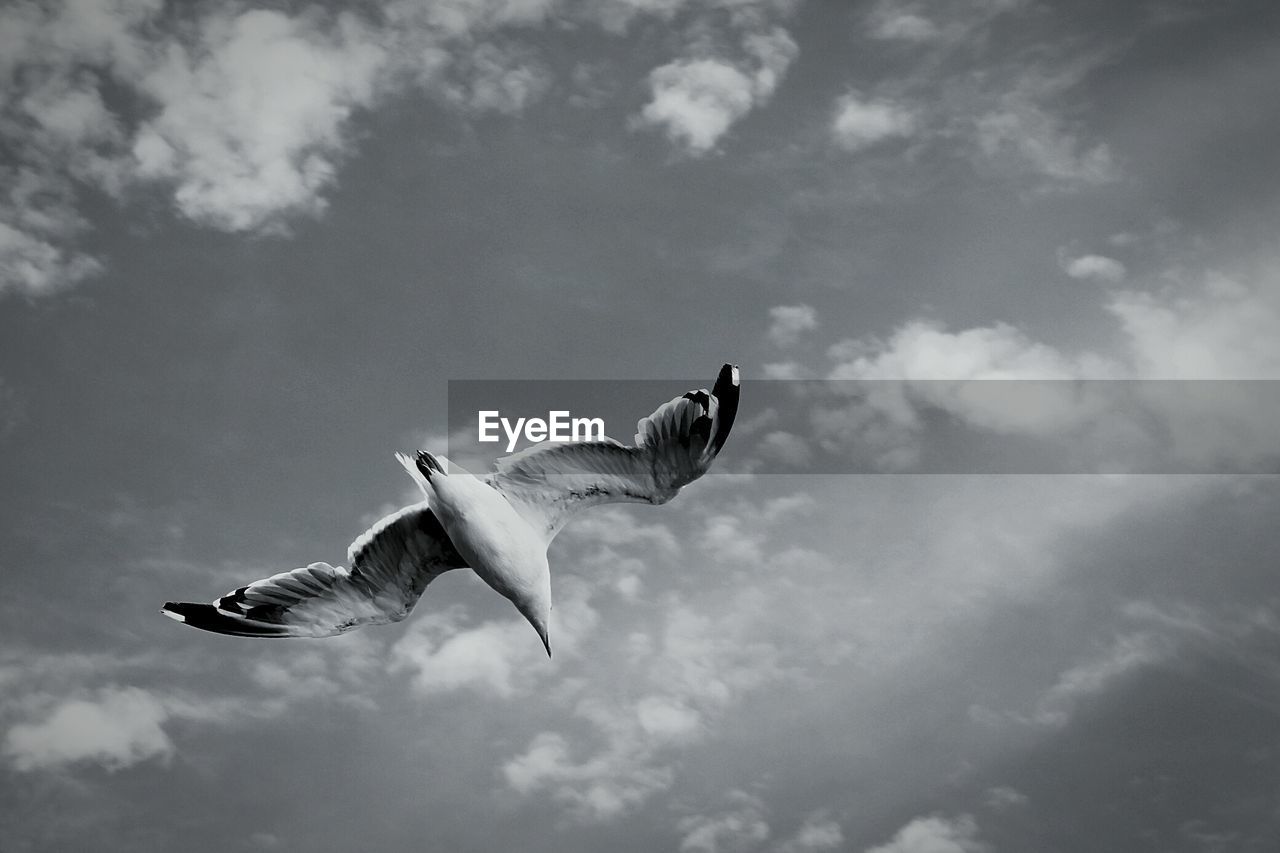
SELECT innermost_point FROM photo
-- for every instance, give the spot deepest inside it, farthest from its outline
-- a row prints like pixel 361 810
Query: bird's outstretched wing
pixel 391 564
pixel 674 446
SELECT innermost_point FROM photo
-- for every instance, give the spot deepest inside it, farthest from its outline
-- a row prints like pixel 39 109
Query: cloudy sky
pixel 245 247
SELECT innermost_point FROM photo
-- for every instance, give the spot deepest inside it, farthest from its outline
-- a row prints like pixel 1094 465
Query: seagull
pixel 499 525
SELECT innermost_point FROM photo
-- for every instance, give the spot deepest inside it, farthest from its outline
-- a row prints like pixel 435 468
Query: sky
pixel 245 249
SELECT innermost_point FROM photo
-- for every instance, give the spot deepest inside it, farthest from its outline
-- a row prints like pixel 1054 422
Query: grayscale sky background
pixel 244 246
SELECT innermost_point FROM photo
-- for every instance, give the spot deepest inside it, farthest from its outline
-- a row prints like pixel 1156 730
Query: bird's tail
pixel 422 467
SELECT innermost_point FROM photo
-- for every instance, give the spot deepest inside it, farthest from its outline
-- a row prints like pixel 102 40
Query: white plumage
pixel 499 525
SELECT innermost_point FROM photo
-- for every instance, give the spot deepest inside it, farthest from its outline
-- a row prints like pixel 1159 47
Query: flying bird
pixel 499 525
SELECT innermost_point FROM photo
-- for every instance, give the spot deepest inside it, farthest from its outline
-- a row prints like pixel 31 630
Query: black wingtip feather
pixel 207 618
pixel 726 392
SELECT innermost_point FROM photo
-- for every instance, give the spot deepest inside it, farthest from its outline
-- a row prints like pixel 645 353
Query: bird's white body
pixel 499 545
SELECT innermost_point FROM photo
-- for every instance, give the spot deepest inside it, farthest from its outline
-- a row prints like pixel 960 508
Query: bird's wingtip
pixel 726 392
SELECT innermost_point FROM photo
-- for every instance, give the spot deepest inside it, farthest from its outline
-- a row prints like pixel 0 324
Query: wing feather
pixel 391 565
pixel 674 446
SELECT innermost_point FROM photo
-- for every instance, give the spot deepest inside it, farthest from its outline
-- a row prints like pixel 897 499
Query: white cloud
pixel 71 709
pixel 497 80
pixel 728 540
pixel 1217 328
pixel 493 656
pixel 685 682
pixel 667 718
pixel 739 828
pixel 601 787
pixel 936 834
pixel 788 323
pixel 34 266
pixel 1011 112
pixel 926 350
pixel 695 101
pixel 337 672
pixel 119 727
pixel 242 117
pixel 58 132
pixel 786 448
pixel 784 370
pixel 1096 268
pixel 881 428
pixel 922 23
pixel 504 657
pixel 1023 133
pixel 818 832
pixel 1220 328
pixel 1171 635
pixel 1092 677
pixel 884 421
pixel 252 115
pixel 628 586
pixel 860 123
pixel 741 825
pixel 464 19
pixel 904 26
pixel 1003 798
pixel 619 526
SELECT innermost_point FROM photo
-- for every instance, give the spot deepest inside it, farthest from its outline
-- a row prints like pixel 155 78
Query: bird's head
pixel 540 619
pixel 535 605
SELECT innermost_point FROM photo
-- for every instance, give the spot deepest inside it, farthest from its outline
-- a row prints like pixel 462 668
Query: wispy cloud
pixel 1092 677
pixel 936 834
pixel 1014 119
pixel 919 23
pixel 495 79
pixel 739 827
pixel 818 832
pixel 1023 133
pixel 895 24
pixel 698 666
pixel 1002 798
pixel 788 323
pixel 442 652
